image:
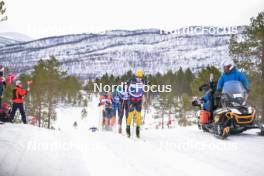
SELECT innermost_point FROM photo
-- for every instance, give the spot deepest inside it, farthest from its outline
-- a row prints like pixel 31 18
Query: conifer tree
pixel 2 11
pixel 248 53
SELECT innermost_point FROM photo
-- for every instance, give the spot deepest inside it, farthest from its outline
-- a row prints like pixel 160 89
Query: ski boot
pixel 128 131
pixel 138 132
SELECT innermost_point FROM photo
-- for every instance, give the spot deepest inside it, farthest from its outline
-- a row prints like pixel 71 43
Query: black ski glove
pixel 218 93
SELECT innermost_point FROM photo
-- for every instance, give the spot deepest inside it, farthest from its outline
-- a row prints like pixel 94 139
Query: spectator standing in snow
pixel 18 101
pixel 2 84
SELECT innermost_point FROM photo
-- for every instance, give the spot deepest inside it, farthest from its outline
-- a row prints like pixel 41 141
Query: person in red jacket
pixel 18 95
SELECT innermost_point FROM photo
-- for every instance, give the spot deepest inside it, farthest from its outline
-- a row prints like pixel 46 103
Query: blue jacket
pixel 235 74
pixel 135 89
pixel 205 98
pixel 115 99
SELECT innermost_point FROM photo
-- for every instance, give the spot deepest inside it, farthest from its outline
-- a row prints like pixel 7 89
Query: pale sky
pixel 42 18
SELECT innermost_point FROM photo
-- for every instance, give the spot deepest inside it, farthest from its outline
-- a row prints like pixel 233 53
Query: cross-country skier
pixel 18 101
pixel 135 89
pixel 102 101
pixel 123 105
pixel 75 124
pixel 109 112
pixel 115 101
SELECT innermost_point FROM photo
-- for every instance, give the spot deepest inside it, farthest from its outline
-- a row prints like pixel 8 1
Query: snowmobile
pixel 232 116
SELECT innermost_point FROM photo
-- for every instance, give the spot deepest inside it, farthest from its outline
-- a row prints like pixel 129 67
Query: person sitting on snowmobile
pixel 209 95
pixel 205 99
pixel 209 99
pixel 123 105
pixel 231 73
pixel 135 89
pixel 18 101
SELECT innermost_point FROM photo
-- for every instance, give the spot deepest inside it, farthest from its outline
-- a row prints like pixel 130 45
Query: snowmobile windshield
pixel 233 87
pixel 233 94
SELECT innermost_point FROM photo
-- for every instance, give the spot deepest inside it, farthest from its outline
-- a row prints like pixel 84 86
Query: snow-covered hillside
pixel 6 41
pixel 16 36
pixel 28 150
pixel 116 52
pixel 8 38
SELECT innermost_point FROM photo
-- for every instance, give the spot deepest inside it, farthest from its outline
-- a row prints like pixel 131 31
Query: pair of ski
pixel 133 137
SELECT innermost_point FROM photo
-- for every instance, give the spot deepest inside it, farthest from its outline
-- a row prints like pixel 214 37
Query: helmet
pixel 139 73
pixel 18 83
pixel 228 63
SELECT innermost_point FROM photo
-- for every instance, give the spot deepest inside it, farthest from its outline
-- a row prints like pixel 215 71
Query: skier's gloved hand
pixel 211 90
pixel 195 103
pixel 218 93
pixel 247 91
pixel 201 99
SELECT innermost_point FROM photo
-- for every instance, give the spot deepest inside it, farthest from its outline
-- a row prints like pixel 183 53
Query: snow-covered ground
pixel 26 150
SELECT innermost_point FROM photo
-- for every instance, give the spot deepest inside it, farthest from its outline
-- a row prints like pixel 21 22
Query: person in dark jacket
pixel 5 112
pixel 2 83
pixel 123 106
pixel 231 73
pixel 18 101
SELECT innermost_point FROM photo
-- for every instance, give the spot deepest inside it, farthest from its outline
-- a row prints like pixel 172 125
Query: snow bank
pixel 28 151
